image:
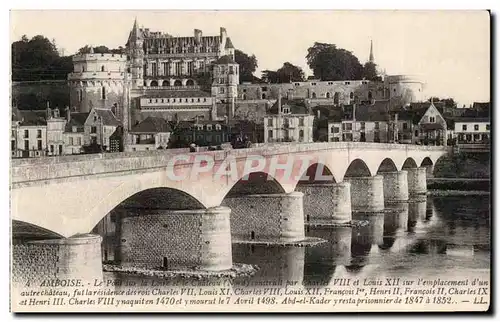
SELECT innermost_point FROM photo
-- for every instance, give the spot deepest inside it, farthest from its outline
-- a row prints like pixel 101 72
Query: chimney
pixel 197 35
pixel 68 113
pixel 279 101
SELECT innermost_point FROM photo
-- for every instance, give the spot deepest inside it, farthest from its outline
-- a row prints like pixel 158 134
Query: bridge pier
pixel 327 203
pixel 395 186
pixel 77 257
pixel 267 217
pixel 176 239
pixel 417 182
pixel 367 193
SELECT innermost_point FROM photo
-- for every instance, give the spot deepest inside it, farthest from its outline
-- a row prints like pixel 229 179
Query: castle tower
pixel 97 81
pixel 135 51
pixel 371 59
pixel 225 80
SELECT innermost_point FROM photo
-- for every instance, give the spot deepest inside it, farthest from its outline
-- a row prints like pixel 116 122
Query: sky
pixel 449 50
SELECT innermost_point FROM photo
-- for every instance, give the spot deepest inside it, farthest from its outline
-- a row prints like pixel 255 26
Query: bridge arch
pixel 426 162
pixel 317 173
pixel 22 230
pixel 387 165
pixel 255 183
pixel 409 164
pixel 357 168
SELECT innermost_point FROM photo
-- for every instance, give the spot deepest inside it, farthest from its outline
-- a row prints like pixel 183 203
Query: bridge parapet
pixel 47 168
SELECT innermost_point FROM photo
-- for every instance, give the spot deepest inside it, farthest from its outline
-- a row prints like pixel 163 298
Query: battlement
pixel 391 79
pixel 100 57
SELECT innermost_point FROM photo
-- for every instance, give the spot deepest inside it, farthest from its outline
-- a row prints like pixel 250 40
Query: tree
pixel 370 71
pixel 331 63
pixel 101 49
pixel 248 65
pixel 37 59
pixel 287 73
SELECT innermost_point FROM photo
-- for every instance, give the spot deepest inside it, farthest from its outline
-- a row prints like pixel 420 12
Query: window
pixel 38 134
pixel 362 125
pixel 351 96
pixel 270 134
pixel 301 135
pixel 286 110
pixel 416 132
pixel 70 140
pixel 464 127
pixel 376 137
pixel 269 122
pixel 336 129
pixel 264 89
pixel 432 119
pixel 362 137
pixel 26 144
pixel 263 96
pixel 313 95
pixel 405 126
pixel 102 68
pixel 39 145
pixel 487 127
pixel 476 137
pixel 221 90
pixel 313 84
pixel 51 148
pixel 26 134
pixel 476 127
pixel 348 126
pixel 377 125
pixel 93 129
pixel 78 141
pixel 154 69
pixel 103 93
pixel 80 95
pixel 301 121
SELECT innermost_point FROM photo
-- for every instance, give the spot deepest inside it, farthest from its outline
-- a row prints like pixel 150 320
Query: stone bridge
pixel 187 207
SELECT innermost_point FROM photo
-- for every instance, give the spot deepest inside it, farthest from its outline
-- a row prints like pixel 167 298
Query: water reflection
pixel 276 263
pixel 323 260
pixel 424 237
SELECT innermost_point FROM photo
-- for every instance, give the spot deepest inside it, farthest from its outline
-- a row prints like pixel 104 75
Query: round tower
pixel 135 52
pixel 97 81
pixel 406 87
pixel 225 80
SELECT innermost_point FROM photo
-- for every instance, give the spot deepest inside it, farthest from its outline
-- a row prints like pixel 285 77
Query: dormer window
pixel 286 110
pixel 209 127
pixel 217 127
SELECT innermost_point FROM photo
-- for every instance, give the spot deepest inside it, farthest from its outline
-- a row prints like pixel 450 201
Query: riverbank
pixel 237 270
pixel 459 184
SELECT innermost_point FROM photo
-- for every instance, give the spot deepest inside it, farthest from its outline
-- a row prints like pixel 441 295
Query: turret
pixel 136 55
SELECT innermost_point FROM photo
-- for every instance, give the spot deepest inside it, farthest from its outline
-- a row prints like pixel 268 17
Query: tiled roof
pixel 178 94
pixel 76 119
pixel 152 125
pixel 107 117
pixel 472 119
pixel 30 117
pixel 432 126
pixel 377 112
pixel 225 60
pixel 229 44
pixel 414 115
pixel 296 106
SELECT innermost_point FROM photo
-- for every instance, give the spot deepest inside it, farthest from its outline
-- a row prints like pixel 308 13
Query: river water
pixel 435 237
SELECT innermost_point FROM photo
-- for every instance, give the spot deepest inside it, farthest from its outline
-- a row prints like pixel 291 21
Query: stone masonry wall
pixel 367 193
pixel 269 217
pixel 186 239
pixel 69 258
pixel 326 203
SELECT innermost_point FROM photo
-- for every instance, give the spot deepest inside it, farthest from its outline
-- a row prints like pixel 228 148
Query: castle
pixel 196 77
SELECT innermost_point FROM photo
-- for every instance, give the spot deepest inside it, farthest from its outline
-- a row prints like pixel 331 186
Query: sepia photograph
pixel 250 161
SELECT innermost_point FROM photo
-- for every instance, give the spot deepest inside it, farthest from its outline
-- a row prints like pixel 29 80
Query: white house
pixel 288 121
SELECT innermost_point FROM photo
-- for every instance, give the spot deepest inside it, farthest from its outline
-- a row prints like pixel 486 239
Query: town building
pixel 151 134
pixel 28 133
pixel 472 130
pixel 363 123
pixel 98 128
pixel 74 132
pixel 421 123
pixel 288 121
